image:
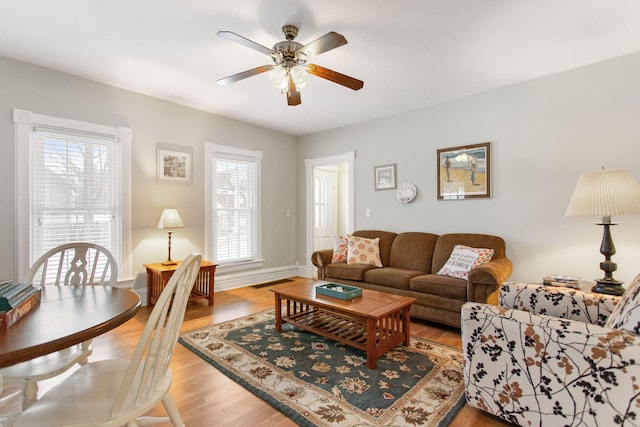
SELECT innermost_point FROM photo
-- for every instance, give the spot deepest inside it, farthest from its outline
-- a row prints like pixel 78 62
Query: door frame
pixel 310 164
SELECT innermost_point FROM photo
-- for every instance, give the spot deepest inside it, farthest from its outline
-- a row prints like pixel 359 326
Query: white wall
pixel 544 133
pixel 48 92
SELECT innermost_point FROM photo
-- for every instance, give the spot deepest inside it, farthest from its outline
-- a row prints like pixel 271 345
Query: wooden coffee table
pixel 376 322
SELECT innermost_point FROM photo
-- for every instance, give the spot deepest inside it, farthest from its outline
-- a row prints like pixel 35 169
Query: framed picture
pixel 385 177
pixel 174 163
pixel 464 172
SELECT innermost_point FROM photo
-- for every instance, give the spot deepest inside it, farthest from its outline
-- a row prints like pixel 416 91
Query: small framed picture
pixel 174 163
pixel 464 172
pixel 385 177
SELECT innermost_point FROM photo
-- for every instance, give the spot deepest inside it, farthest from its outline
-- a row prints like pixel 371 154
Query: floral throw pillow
pixel 463 259
pixel 364 251
pixel 340 249
pixel 626 315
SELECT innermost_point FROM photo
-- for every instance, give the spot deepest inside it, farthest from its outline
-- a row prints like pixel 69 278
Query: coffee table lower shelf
pixel 331 325
pixel 374 336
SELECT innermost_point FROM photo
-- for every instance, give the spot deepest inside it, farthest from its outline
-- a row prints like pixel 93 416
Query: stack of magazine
pixel 562 280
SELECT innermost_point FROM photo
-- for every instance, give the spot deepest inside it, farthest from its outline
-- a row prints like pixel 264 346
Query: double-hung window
pixel 73 186
pixel 233 198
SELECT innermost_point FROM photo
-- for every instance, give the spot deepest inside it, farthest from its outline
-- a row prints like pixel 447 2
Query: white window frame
pixel 24 123
pixel 212 151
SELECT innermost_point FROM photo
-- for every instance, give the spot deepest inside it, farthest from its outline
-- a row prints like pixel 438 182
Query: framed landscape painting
pixel 464 172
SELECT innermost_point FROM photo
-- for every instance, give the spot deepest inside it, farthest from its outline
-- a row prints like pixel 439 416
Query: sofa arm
pixel 558 302
pixel 495 272
pixel 539 370
pixel 485 280
pixel 321 259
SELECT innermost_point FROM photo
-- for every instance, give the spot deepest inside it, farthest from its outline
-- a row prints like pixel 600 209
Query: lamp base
pixel 169 262
pixel 608 286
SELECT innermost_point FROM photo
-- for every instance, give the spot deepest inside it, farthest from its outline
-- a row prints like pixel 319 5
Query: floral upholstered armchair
pixel 554 356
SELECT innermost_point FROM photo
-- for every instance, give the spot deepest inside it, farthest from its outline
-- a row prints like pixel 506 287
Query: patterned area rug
pixel 320 382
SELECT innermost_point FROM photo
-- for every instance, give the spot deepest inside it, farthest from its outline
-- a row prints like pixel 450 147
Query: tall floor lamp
pixel 170 219
pixel 605 193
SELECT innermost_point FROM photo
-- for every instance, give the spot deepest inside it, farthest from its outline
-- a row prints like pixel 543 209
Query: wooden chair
pixel 119 392
pixel 68 264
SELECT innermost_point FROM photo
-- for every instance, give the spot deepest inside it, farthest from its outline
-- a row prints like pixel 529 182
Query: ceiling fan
pixel 290 69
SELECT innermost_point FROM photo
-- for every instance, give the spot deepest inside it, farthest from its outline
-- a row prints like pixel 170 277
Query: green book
pixel 12 294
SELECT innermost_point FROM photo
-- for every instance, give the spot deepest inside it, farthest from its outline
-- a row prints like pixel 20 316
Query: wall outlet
pixel 367 212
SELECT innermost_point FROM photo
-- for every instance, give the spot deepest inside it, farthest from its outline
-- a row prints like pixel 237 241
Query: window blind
pixel 234 208
pixel 75 189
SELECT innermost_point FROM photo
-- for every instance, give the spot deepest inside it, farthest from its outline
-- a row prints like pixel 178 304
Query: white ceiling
pixel 409 53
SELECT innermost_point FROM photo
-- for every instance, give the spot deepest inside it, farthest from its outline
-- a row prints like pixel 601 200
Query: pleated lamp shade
pixel 605 193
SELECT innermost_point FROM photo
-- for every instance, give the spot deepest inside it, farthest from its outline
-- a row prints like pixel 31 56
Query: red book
pixel 9 317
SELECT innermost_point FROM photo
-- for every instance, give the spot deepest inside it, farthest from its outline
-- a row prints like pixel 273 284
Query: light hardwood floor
pixel 206 397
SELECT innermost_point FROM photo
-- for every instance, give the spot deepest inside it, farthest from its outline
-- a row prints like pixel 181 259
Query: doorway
pixel 330 200
pixel 326 205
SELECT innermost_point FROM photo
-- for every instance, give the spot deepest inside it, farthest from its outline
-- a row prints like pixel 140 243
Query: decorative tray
pixel 338 290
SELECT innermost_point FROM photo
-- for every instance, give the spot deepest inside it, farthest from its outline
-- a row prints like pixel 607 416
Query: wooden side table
pixel 158 275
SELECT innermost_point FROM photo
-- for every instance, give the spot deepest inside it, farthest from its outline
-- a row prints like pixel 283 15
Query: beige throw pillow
pixel 463 259
pixel 364 251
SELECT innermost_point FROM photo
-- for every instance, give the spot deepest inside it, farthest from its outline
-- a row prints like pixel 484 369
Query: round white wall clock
pixel 406 193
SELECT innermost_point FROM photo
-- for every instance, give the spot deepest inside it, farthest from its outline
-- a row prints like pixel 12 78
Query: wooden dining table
pixel 66 315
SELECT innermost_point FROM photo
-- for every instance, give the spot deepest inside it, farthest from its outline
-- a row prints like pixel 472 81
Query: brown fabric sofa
pixel 410 262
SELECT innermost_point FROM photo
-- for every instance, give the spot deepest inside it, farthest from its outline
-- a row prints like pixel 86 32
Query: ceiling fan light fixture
pixel 299 76
pixel 279 77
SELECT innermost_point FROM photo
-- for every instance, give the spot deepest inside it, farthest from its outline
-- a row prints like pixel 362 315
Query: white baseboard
pixel 224 282
pixel 309 271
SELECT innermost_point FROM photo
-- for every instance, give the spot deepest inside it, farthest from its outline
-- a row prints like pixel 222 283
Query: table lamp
pixel 170 219
pixel 605 193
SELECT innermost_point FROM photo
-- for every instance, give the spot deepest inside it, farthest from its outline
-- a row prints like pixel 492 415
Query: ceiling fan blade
pixel 335 77
pixel 293 96
pixel 323 44
pixel 243 75
pixel 229 35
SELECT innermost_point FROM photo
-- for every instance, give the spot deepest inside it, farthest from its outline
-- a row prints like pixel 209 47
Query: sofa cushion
pixel 347 271
pixel 412 251
pixel 340 249
pixel 442 286
pixel 626 315
pixel 463 259
pixel 392 277
pixel 446 243
pixel 361 250
pixel 386 238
